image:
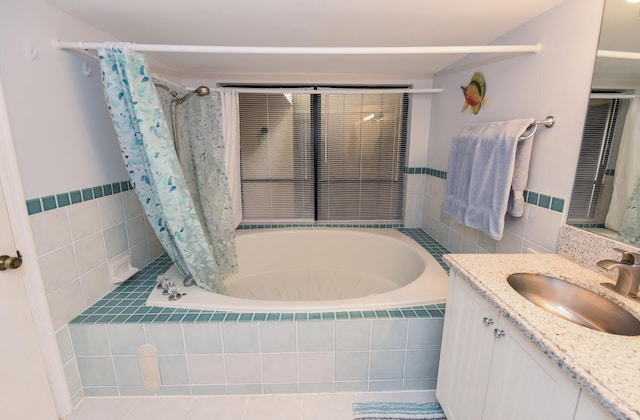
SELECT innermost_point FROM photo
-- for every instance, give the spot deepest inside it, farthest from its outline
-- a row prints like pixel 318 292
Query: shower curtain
pixel 154 170
pixel 201 153
pixel 630 226
pixel 231 132
pixel 627 165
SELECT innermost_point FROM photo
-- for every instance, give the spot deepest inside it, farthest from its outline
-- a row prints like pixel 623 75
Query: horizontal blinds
pixel 362 149
pixel 327 157
pixel 594 158
pixel 276 156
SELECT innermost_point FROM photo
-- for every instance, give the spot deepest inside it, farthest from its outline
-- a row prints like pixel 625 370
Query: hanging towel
pixel 482 168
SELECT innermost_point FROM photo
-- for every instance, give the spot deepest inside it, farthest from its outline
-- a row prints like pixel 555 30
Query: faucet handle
pixel 628 257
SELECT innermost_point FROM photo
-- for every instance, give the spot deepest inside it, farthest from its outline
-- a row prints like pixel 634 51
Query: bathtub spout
pixel 188 281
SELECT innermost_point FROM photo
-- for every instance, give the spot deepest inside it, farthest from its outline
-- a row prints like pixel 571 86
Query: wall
pixel 533 85
pixel 69 162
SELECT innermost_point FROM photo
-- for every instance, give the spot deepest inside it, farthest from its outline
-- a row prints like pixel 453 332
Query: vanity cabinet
pixel 490 370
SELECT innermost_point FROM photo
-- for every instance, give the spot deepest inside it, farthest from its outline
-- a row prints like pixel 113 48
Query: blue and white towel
pixel 485 166
pixel 397 411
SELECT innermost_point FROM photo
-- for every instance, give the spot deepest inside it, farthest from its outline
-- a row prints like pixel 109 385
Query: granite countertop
pixel 605 365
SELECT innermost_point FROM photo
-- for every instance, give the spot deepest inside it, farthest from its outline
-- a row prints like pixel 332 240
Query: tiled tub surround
pixel 606 366
pixel 209 352
pixel 76 239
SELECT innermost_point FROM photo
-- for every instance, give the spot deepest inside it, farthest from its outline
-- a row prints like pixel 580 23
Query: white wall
pixel 554 82
pixel 63 136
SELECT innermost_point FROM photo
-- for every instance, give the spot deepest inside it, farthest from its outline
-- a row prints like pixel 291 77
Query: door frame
pixel 23 237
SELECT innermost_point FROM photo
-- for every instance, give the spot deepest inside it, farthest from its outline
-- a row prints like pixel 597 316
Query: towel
pixel 484 162
pixel 397 411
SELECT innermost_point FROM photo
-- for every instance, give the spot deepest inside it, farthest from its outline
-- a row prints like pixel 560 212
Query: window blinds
pixel 323 157
pixel 597 139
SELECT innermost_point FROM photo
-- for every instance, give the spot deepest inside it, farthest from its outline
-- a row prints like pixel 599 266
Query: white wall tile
pixel 65 303
pixel 84 219
pixel 279 368
pixel 315 367
pixel 115 240
pixel 206 369
pixel 243 368
pixel 538 227
pixel 131 205
pixel 510 243
pixel 140 255
pixel 65 345
pixel 111 210
pixel 50 230
pixel 136 230
pixel 58 268
pixel 96 284
pixel 90 252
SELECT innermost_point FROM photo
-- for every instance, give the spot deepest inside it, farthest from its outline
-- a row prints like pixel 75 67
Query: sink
pixel 575 303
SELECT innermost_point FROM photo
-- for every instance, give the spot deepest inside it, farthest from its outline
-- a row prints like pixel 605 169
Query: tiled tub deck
pixel 215 353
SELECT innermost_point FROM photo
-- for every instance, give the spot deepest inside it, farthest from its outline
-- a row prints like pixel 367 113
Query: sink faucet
pixel 628 273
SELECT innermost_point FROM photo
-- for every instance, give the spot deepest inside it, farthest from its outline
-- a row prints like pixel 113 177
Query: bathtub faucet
pixel 628 273
pixel 188 281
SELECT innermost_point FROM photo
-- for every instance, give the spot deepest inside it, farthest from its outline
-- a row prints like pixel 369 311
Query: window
pixel 322 157
pixel 589 202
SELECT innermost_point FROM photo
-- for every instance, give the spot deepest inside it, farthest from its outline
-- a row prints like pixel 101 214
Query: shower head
pixel 200 91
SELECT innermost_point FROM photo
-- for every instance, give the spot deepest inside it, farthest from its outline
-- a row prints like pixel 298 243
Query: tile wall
pixel 532 232
pixel 261 357
pixel 76 234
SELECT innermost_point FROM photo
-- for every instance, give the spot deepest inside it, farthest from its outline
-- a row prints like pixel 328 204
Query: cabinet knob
pixel 498 333
pixel 487 321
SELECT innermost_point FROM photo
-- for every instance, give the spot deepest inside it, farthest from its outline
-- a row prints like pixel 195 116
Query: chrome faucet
pixel 628 273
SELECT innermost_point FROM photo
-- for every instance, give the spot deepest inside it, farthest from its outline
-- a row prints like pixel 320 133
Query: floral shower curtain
pixel 630 226
pixel 628 164
pixel 153 167
pixel 201 153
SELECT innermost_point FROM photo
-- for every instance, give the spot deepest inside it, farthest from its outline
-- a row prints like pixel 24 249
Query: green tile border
pixel 544 200
pixel 52 202
pixel 426 171
pixel 531 197
pixel 588 225
pixel 250 226
pixel 126 303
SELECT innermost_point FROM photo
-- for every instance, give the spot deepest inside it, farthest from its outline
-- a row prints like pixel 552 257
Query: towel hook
pixel 547 122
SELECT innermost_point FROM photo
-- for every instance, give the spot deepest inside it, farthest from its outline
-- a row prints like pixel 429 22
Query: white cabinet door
pixel 524 384
pixel 590 409
pixel 465 357
pixel 490 370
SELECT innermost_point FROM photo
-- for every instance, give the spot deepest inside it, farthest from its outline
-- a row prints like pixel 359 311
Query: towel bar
pixel 548 122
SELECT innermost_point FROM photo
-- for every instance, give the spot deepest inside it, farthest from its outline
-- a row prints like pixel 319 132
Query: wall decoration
pixel 474 93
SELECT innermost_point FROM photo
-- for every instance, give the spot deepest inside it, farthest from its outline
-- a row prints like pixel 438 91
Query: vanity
pixel 503 357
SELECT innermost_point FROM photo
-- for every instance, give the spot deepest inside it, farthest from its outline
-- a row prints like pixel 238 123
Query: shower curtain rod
pixel 328 91
pixel 613 96
pixel 626 55
pixel 210 49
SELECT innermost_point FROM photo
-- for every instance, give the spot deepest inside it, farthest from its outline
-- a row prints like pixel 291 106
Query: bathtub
pixel 315 270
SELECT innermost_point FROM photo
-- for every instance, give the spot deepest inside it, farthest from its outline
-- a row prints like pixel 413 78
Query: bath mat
pixel 397 411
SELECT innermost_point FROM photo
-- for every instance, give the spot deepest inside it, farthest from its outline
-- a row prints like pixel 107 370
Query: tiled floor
pixel 238 407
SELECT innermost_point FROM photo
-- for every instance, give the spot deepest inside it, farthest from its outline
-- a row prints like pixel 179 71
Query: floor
pixel 237 407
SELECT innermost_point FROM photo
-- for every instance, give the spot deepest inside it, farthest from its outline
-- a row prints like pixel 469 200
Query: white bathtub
pixel 314 270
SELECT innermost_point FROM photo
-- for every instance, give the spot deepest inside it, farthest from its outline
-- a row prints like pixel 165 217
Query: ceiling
pixel 305 23
pixel 620 32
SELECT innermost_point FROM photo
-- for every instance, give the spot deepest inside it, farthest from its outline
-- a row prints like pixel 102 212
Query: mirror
pixel 616 83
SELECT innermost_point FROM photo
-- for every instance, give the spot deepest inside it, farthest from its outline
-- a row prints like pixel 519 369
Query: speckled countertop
pixel 605 365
